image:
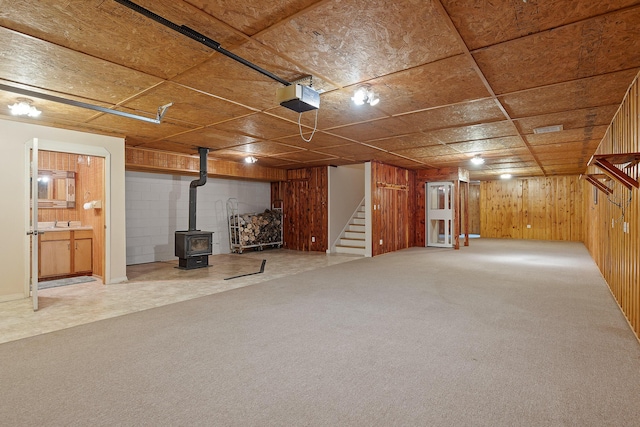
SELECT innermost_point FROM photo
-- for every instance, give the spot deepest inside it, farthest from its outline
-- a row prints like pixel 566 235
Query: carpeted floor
pixel 501 333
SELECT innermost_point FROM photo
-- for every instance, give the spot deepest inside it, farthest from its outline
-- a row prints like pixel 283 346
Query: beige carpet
pixel 502 333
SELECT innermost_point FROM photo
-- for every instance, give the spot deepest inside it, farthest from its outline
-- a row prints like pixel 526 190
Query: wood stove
pixel 193 247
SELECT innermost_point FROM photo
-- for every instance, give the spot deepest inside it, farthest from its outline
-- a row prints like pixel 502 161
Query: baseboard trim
pixel 12 297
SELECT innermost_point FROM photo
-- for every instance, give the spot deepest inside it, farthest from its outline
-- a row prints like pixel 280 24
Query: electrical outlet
pixel 625 227
pixel 313 239
pixel 528 225
pixel 381 241
pixel 613 223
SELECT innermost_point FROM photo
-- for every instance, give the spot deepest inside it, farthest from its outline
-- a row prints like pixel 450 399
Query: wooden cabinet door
pixel 55 258
pixel 83 256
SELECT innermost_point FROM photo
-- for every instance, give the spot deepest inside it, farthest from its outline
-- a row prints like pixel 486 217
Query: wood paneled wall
pixel 474 209
pixel 89 186
pixel 617 253
pixel 145 160
pixel 393 216
pixel 552 206
pixel 305 198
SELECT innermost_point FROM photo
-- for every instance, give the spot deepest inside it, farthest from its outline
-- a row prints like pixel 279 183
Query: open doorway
pixel 440 214
pixel 84 214
pixel 72 216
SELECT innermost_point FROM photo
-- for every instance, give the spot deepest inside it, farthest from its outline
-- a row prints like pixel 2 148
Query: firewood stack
pixel 259 228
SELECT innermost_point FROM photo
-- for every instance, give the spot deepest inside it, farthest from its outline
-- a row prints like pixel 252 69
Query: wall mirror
pixel 56 189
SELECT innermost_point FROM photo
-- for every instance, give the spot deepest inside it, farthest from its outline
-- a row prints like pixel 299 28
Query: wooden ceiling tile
pixel 473 132
pixel 465 114
pixel 112 32
pixel 251 18
pixel 601 45
pixel 576 119
pixel 356 152
pixel 364 39
pixel 572 135
pixel 376 129
pixel 68 73
pixel 260 126
pixel 486 23
pixel 424 153
pixel 512 155
pixel 447 161
pixel 567 149
pixel 401 162
pixel 336 109
pixel 265 148
pixel 141 129
pixel 413 140
pixel 228 79
pixel 188 105
pixel 305 156
pixel 512 166
pixel 280 65
pixel 211 138
pixel 165 146
pixel 443 82
pixel 483 145
pixel 319 140
pixel 597 91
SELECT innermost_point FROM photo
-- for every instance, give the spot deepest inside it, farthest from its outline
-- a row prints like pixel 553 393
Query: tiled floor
pixel 151 285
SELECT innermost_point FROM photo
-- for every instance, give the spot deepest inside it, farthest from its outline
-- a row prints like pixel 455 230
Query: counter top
pixel 54 229
pixel 63 226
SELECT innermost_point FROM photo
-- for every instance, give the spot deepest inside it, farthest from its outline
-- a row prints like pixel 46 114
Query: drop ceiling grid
pixel 563 62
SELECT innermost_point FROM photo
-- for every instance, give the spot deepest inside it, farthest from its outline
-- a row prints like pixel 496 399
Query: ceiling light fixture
pixel 24 107
pixel 505 176
pixel 250 159
pixel 365 95
pixel 477 160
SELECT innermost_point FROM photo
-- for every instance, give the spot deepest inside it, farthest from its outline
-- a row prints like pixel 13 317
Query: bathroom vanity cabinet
pixel 65 252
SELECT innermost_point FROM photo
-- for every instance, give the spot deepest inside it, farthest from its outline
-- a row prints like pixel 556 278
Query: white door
pixel 32 230
pixel 439 214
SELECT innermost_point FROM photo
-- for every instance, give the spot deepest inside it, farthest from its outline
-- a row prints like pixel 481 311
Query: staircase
pixel 351 240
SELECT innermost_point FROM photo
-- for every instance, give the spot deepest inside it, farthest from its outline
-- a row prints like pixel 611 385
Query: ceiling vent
pixel 548 129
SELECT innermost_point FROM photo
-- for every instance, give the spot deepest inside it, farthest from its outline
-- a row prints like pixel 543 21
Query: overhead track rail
pixel 159 115
pixel 201 38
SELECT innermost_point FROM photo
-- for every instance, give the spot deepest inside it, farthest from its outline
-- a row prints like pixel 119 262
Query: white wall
pixel 158 205
pixel 13 171
pixel 346 191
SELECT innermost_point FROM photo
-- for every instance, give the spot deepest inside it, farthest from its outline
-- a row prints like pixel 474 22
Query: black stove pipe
pixel 193 187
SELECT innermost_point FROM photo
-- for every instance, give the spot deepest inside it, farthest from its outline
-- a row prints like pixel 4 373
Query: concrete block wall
pixel 158 204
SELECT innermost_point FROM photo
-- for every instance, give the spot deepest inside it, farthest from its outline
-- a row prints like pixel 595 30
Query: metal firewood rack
pixel 239 228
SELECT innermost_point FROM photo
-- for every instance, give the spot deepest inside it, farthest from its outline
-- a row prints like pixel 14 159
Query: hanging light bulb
pixel 23 107
pixel 250 159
